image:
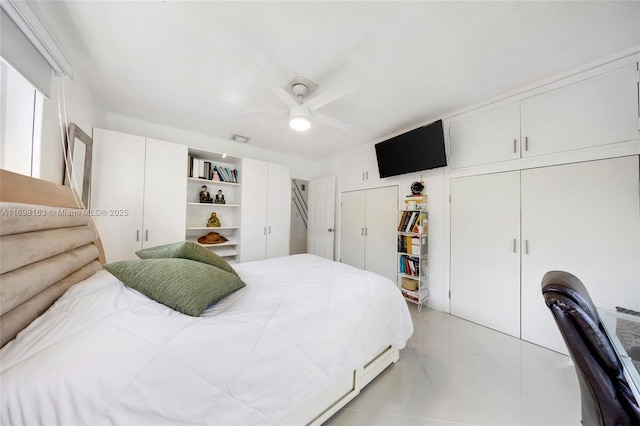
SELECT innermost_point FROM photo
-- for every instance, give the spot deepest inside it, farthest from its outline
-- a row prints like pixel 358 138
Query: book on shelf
pixel 205 169
pixel 410 221
pixel 409 265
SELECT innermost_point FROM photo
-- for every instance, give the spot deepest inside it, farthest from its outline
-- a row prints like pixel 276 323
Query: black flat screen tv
pixel 416 150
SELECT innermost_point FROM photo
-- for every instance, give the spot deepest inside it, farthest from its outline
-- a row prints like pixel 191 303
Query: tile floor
pixel 454 372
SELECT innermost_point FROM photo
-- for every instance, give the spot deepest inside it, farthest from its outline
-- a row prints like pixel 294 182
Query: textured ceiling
pixel 187 64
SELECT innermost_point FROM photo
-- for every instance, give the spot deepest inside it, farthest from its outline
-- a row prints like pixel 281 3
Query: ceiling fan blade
pixel 330 121
pixel 273 86
pixel 332 94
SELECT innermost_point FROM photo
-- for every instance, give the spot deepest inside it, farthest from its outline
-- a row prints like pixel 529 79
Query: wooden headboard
pixel 48 243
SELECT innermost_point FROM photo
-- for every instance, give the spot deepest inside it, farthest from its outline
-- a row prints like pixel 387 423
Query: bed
pixel 292 347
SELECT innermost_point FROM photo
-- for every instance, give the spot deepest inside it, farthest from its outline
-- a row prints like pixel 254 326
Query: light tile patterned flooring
pixel 454 372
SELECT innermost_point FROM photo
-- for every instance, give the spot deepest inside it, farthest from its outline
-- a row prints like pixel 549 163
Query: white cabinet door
pixel 485 250
pixel 118 184
pixel 253 222
pixel 360 169
pixel 368 230
pixel 596 111
pixel 486 137
pixel 165 193
pixel 278 210
pixel 582 218
pixel 265 210
pixel 381 216
pixel 141 185
pixel 352 228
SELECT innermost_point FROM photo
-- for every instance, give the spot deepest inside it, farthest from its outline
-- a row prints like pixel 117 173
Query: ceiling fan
pixel 302 110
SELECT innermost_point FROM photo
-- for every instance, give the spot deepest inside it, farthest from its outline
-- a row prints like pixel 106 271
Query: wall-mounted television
pixel 416 150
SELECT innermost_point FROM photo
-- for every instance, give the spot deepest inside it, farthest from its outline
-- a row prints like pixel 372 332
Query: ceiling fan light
pixel 299 123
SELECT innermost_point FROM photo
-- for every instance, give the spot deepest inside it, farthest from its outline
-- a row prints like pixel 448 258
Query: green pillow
pixel 181 284
pixel 186 250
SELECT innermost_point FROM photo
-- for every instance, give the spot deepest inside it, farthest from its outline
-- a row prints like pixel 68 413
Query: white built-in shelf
pixel 210 228
pixel 211 182
pixel 213 205
pixel 229 243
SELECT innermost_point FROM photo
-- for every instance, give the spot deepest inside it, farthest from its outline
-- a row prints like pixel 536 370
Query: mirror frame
pixel 76 133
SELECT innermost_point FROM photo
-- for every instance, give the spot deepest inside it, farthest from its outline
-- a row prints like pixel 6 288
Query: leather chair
pixel 606 398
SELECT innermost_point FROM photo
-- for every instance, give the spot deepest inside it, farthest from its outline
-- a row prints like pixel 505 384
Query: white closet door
pixel 381 231
pixel 596 111
pixel 352 226
pixel 118 184
pixel 165 193
pixel 278 210
pixel 581 218
pixel 485 250
pixel 253 222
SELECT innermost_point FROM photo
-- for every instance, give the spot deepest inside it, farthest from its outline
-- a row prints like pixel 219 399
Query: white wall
pixel 73 100
pixel 299 167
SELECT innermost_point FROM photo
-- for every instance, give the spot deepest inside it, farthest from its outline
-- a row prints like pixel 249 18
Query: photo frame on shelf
pixel 77 162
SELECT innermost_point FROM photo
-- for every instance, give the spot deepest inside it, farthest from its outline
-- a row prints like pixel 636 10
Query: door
pixel 352 227
pixel 253 228
pixel 118 185
pixel 278 210
pixel 322 204
pixel 485 250
pixel 165 193
pixel 381 217
pixel 582 218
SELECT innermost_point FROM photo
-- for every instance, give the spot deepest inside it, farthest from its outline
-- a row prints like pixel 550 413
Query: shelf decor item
pixel 219 198
pixel 417 187
pixel 204 195
pixel 213 221
pixel 212 238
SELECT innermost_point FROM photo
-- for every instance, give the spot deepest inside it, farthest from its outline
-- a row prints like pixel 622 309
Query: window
pixel 21 107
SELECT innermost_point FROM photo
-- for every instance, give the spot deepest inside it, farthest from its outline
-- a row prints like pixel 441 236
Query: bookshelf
pixel 412 251
pixel 217 173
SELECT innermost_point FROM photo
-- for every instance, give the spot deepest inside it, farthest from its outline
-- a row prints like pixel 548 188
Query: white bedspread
pixel 105 354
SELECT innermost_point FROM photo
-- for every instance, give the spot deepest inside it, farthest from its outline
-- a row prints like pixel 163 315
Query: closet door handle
pixel 146 235
pixel 367 174
pixel 526 143
pixel 514 244
pixel 264 230
pixel 515 141
pixel 137 235
pixel 362 175
pixel 526 246
pixel 269 229
pixel 366 231
pixel 362 231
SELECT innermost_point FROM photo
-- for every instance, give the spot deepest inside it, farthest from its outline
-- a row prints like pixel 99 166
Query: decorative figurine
pixel 213 221
pixel 204 195
pixel 219 197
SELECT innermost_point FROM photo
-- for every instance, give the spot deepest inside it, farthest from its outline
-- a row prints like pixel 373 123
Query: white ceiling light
pixel 299 118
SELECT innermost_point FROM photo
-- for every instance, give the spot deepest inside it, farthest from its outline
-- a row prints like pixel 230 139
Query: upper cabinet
pixel 360 168
pixel 599 110
pixel 487 137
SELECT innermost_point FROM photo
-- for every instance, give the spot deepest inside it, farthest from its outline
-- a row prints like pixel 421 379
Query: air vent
pixel 239 138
